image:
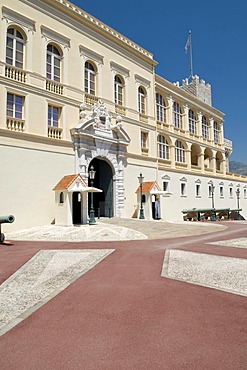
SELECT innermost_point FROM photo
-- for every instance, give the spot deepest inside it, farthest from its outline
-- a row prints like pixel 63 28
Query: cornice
pixel 92 22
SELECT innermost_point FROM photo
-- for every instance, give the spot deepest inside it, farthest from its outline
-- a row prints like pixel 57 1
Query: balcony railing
pixel 55 132
pixel 91 99
pixel 15 73
pixel 54 87
pixel 119 109
pixel 143 117
pixel 14 124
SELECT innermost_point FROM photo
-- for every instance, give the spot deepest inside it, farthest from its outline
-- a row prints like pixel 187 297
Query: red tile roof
pixel 147 186
pixel 66 181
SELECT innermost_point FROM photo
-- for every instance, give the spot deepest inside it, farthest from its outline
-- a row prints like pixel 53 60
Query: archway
pixel 102 202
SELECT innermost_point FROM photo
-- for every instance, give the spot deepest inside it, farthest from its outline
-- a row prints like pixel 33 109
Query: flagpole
pixel 191 64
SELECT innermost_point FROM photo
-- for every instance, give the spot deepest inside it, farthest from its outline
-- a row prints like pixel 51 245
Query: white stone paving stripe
pixel 44 276
pixel 218 272
pixel 235 243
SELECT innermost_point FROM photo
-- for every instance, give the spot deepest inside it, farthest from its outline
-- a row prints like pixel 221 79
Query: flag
pixel 187 46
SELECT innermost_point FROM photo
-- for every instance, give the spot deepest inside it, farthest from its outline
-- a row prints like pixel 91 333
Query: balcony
pixel 143 117
pixel 14 124
pixel 55 132
pixel 54 87
pixel 16 74
pixel 119 109
pixel 91 99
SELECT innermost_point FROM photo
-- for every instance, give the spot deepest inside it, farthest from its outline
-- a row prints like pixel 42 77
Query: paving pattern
pixel 219 272
pixel 125 313
pixel 235 243
pixel 115 229
pixel 40 279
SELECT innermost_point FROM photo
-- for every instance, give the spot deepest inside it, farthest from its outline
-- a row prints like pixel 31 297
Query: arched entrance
pixel 102 202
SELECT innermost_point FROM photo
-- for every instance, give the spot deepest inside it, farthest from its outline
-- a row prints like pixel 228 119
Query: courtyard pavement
pixel 125 294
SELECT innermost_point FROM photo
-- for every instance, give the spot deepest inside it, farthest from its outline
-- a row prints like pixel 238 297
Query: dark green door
pixel 103 202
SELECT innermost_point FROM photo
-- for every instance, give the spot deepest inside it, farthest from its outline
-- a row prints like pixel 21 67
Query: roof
pixel 66 181
pixel 147 187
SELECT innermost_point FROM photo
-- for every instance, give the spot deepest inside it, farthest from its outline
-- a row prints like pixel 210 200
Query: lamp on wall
pixel 238 197
pixel 141 178
pixel 91 177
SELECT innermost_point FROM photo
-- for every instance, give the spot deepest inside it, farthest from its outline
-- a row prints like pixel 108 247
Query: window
pixel 61 198
pixel 14 48
pixel 90 74
pixel 53 116
pixel 231 192
pixel 15 105
pixel 198 190
pixel 216 132
pixel 221 191
pixel 179 152
pixel 192 122
pixel 177 115
pixel 118 90
pixel 204 127
pixel 183 189
pixel 141 100
pixel 163 147
pixel 144 139
pixel 165 186
pixel 53 63
pixel 160 108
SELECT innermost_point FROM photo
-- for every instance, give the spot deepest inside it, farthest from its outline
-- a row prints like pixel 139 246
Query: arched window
pixel 15 48
pixel 90 74
pixel 216 132
pixel 118 90
pixel 53 63
pixel 204 127
pixel 177 121
pixel 141 100
pixel 163 147
pixel 160 108
pixel 179 152
pixel 192 122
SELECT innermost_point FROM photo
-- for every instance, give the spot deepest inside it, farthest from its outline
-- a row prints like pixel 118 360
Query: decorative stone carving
pixel 97 136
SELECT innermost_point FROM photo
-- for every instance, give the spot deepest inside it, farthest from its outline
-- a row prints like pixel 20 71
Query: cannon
pixel 5 220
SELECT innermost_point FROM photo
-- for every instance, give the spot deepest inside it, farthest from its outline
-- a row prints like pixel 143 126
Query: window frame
pixel 176 115
pixel 118 90
pixel 179 152
pixel 53 63
pixel 192 122
pixel 144 140
pixel 163 147
pixel 142 96
pixel 90 78
pixel 14 112
pixel 53 112
pixel 160 108
pixel 13 50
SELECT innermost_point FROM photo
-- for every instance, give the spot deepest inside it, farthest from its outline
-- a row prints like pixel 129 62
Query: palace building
pixel 76 93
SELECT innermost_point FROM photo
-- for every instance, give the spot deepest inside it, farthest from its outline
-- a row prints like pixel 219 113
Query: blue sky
pixel 219 40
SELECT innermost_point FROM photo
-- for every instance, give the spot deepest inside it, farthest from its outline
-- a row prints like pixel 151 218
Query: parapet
pixel 198 88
